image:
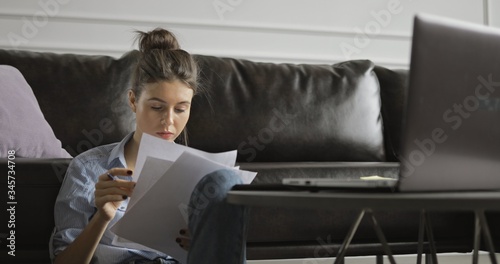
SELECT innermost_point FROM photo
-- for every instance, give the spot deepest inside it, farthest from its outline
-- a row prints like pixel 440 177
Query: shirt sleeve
pixel 74 205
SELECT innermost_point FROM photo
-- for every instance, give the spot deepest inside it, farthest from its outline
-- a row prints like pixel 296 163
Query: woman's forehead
pixel 168 92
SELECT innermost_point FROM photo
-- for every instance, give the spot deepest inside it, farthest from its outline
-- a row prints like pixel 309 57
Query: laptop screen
pixel 451 135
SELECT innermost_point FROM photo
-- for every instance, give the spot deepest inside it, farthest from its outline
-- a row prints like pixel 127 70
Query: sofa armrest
pixel 37 183
pixel 37 171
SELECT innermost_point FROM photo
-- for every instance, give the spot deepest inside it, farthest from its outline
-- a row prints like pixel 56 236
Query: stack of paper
pixel 166 174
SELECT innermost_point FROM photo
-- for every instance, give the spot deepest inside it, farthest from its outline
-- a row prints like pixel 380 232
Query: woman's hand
pixel 184 240
pixel 109 193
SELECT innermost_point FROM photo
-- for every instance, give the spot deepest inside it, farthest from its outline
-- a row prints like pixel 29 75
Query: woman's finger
pixel 109 179
pixel 113 198
pixel 184 242
pixel 115 184
pixel 109 175
pixel 109 198
pixel 121 172
pixel 112 191
pixel 184 232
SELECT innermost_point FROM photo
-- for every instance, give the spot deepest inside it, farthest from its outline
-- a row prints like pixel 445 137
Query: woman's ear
pixel 132 100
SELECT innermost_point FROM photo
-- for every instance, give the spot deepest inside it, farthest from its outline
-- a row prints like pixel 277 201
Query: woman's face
pixel 162 110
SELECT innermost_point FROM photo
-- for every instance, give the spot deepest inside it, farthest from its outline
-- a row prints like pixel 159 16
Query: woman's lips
pixel 165 135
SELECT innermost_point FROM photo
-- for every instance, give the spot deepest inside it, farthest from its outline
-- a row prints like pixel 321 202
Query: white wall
pixel 297 31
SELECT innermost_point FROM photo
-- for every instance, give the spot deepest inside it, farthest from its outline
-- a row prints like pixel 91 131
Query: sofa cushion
pixel 286 112
pixel 393 91
pixel 24 128
pixel 83 98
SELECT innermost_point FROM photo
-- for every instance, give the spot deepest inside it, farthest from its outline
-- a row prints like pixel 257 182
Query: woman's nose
pixel 168 118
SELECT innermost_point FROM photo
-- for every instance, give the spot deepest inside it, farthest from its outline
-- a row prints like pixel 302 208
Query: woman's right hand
pixel 109 193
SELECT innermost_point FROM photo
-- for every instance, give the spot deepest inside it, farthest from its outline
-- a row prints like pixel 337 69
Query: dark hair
pixel 162 59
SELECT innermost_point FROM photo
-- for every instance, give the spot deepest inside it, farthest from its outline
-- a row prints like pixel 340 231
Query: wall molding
pixel 487 15
pixel 224 26
pixel 210 24
pixel 253 56
pixel 57 48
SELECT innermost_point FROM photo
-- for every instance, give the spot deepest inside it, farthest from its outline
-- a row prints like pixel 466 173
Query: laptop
pixel 451 130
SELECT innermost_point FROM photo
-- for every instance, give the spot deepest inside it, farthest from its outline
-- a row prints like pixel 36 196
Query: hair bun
pixel 158 38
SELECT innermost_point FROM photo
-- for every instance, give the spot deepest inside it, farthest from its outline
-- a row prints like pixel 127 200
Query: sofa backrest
pixel 269 112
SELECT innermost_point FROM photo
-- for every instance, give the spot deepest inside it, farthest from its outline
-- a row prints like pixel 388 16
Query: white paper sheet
pixel 154 168
pixel 167 178
pixel 161 149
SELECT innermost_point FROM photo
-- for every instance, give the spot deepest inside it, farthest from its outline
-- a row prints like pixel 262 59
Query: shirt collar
pixel 118 152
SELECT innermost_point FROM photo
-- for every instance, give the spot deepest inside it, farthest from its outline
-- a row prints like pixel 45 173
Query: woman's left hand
pixel 184 240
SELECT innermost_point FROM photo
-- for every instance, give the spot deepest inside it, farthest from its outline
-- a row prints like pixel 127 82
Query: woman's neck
pixel 131 150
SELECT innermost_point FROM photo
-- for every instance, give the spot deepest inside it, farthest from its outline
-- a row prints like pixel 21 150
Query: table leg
pixel 381 238
pixel 477 239
pixel 350 234
pixel 430 236
pixel 421 233
pixel 487 235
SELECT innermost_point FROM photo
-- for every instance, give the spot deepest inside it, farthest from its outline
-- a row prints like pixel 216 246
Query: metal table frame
pixel 366 203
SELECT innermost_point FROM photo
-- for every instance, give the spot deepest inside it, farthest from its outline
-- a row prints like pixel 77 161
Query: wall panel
pixel 494 12
pixel 314 31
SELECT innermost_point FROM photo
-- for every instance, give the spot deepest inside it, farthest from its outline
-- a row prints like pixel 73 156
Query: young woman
pixel 89 201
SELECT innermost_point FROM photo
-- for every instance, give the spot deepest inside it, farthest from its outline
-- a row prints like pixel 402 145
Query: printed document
pixel 166 174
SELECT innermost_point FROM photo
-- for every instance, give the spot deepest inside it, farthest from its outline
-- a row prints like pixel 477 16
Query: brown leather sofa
pixel 286 120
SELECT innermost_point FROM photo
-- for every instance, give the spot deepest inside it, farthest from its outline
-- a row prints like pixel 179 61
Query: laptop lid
pixel 451 131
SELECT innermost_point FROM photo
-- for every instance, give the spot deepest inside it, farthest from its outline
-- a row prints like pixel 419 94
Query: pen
pixel 113 178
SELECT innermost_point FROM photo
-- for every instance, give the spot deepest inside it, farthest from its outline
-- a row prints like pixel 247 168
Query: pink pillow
pixel 23 127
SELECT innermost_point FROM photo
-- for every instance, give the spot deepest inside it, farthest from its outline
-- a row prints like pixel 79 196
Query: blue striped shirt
pixel 75 205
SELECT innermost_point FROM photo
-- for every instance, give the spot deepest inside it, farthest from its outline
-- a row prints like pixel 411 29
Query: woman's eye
pixel 157 108
pixel 178 110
